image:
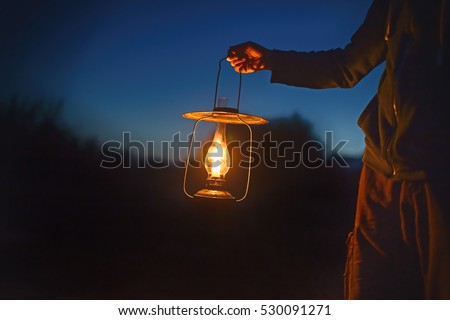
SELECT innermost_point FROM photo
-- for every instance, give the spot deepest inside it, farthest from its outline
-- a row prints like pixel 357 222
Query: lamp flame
pixel 217 160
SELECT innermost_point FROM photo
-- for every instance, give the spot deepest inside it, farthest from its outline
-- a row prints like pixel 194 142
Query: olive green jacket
pixel 407 122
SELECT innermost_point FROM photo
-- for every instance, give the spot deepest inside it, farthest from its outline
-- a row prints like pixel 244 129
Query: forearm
pixel 316 70
pixel 338 67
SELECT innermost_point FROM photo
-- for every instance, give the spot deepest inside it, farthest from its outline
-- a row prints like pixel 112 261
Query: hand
pixel 249 57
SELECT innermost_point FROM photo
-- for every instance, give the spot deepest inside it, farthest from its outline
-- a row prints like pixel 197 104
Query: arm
pixel 338 67
pixel 324 69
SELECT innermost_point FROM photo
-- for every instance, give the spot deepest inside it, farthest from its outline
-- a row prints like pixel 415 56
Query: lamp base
pixel 214 194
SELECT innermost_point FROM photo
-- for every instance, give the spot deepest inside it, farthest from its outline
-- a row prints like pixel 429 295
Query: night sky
pixel 138 65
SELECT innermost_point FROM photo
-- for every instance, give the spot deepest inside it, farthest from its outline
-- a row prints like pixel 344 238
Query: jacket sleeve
pixel 338 67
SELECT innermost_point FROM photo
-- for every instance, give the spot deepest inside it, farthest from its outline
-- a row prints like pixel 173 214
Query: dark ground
pixel 72 230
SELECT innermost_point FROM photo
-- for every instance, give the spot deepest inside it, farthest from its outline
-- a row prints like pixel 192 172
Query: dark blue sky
pixel 138 65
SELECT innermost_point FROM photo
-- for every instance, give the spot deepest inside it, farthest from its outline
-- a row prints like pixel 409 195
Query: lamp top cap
pixel 222 103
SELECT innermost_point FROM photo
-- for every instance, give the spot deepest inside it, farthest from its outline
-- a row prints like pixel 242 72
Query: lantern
pixel 217 159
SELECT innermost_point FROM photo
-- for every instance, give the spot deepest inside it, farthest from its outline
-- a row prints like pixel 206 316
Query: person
pixel 400 245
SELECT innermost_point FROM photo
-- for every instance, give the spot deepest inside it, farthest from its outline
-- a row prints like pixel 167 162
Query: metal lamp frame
pixel 224 115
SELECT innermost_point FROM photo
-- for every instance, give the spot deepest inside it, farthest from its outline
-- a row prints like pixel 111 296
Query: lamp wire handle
pixel 217 85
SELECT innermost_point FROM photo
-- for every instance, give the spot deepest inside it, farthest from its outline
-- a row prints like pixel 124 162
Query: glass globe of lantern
pixel 217 159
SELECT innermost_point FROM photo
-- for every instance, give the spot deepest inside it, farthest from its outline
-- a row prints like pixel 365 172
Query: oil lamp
pixel 217 159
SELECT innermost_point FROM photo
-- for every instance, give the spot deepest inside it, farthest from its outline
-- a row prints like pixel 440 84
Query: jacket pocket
pixel 368 122
pixel 370 109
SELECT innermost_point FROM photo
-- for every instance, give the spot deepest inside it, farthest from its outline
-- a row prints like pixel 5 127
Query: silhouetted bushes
pixel 70 229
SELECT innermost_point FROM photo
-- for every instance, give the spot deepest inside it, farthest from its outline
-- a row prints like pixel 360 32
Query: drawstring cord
pixel 387 35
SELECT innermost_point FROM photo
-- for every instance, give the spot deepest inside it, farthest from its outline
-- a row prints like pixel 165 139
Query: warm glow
pixel 217 161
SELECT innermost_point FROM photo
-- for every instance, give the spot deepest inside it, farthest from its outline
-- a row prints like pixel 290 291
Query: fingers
pixel 241 51
pixel 246 57
pixel 234 55
pixel 244 52
pixel 246 67
pixel 243 69
pixel 237 61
